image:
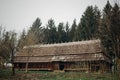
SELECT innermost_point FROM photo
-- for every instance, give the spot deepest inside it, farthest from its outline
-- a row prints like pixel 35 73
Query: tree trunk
pixel 13 70
pixel 115 65
pixel 12 61
pixel 26 68
pixel 27 63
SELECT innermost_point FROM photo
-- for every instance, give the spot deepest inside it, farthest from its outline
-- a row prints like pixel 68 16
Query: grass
pixel 45 75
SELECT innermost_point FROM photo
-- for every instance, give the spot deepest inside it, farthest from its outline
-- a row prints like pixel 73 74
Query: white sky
pixel 19 14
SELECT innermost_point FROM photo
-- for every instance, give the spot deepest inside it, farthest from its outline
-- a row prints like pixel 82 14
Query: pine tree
pixel 61 33
pixel 115 29
pixel 51 32
pixel 105 29
pixel 36 31
pixel 80 35
pixel 33 35
pixel 89 23
pixel 72 31
pixel 110 30
pixel 67 31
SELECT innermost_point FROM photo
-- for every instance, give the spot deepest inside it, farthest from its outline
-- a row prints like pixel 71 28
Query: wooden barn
pixel 72 56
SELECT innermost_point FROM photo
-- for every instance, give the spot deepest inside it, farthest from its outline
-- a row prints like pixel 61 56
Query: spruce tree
pixel 36 31
pixel 67 31
pixel 72 31
pixel 110 30
pixel 51 32
pixel 61 33
pixel 89 23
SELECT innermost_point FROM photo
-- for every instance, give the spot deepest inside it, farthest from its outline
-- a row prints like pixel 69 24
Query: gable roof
pixel 72 51
pixel 81 47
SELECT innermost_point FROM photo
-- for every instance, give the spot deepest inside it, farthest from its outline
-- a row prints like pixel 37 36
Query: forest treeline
pixel 63 32
pixel 93 24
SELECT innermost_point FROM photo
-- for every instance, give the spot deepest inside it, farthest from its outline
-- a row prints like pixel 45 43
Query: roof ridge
pixel 63 44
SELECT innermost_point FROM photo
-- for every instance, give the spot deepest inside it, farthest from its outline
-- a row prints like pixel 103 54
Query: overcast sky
pixel 19 14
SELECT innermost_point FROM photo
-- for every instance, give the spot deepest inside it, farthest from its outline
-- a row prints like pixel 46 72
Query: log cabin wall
pixel 84 66
pixel 34 66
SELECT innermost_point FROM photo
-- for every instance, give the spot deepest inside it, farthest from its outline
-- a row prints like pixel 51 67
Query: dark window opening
pixel 61 67
pixel 95 68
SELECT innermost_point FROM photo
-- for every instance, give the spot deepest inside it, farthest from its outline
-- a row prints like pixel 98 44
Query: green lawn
pixel 45 75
